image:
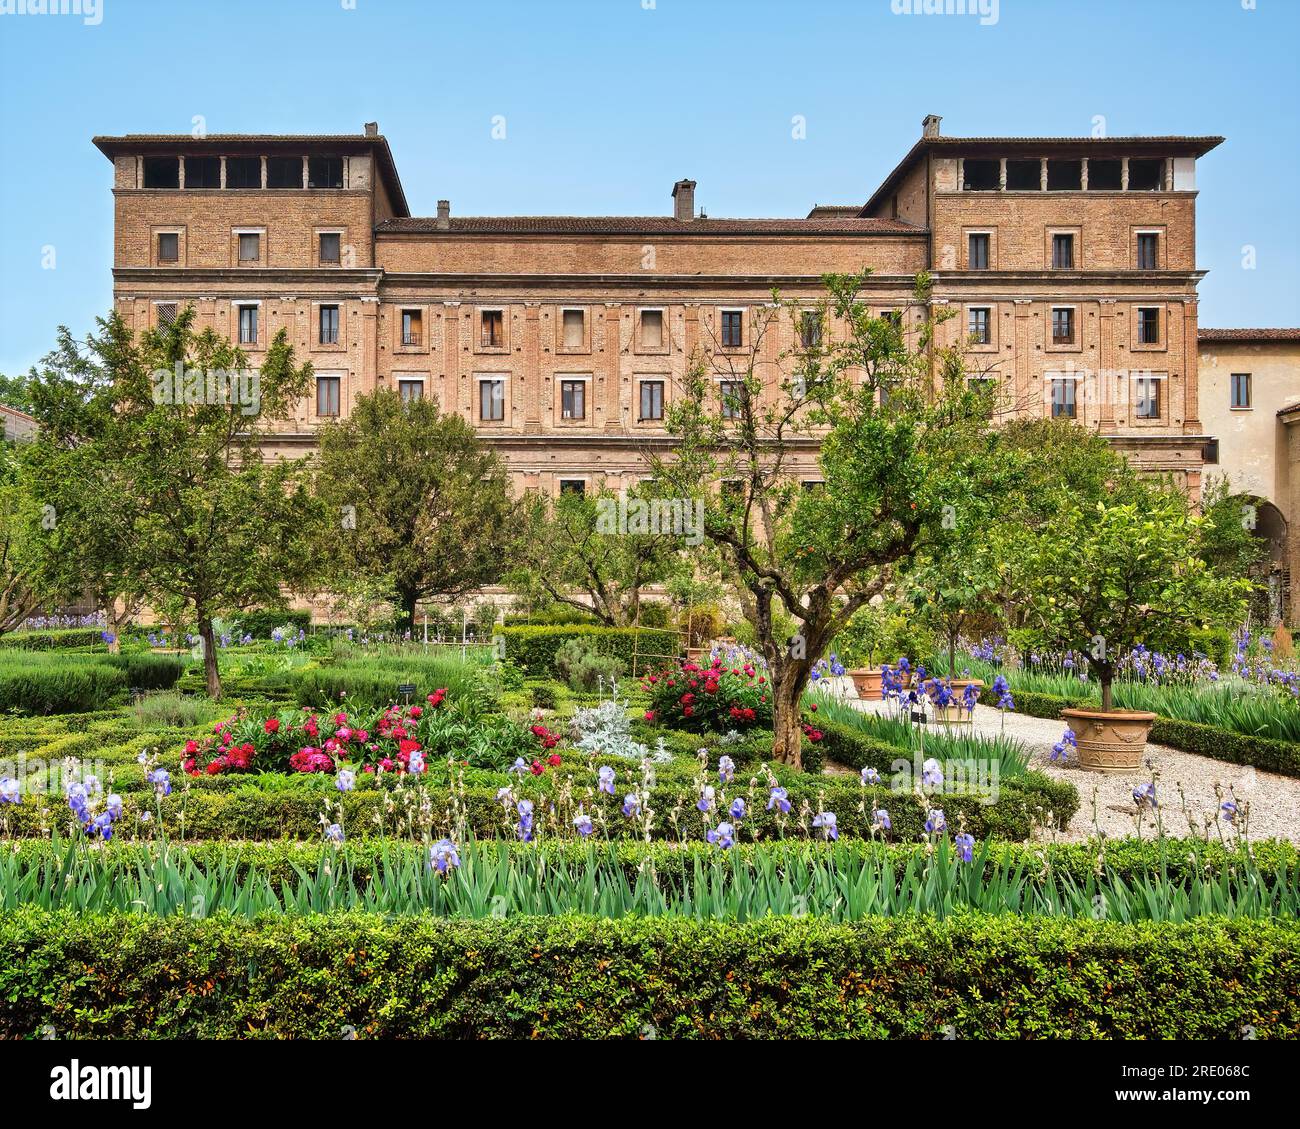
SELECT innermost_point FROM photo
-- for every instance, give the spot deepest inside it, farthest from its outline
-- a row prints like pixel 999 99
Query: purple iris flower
pixel 334 833
pixel 932 774
pixel 723 836
pixel 936 821
pixel 870 776
pixel 113 805
pixel 780 800
pixel 827 822
pixel 1145 794
pixel 631 805
pixel 346 780
pixel 726 769
pixel 706 798
pixel 582 822
pixel 737 810
pixel 524 828
pixel 965 845
pixel 442 855
pixel 161 780
pixel 882 819
pixel 606 780
pixel 10 790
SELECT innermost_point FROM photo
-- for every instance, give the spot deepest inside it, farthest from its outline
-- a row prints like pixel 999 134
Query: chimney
pixel 684 200
pixel 930 125
pixel 444 215
pixel 372 129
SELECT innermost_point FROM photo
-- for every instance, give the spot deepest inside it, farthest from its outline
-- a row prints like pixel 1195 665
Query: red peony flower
pixel 537 768
pixel 553 760
pixel 649 715
pixel 191 747
pixel 689 711
pixel 214 767
pixel 272 725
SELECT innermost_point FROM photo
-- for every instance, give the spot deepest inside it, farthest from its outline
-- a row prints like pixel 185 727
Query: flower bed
pixel 717 698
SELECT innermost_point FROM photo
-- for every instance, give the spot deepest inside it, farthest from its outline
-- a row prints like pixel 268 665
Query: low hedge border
pixel 972 975
pixel 55 639
pixel 1265 753
pixel 532 648
pixel 250 811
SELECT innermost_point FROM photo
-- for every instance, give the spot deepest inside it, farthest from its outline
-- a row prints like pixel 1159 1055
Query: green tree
pixel 18 597
pixel 904 436
pixel 597 553
pixel 15 392
pixel 1104 576
pixel 1231 545
pixel 181 506
pixel 417 497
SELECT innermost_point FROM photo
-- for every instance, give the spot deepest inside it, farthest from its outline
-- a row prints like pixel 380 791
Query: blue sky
pixel 607 102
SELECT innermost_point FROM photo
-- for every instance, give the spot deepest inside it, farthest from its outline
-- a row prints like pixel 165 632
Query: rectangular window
pixel 250 247
pixel 1064 405
pixel 977 251
pixel 1148 250
pixel 894 317
pixel 732 329
pixel 493 334
pixel 411 390
pixel 1148 325
pixel 1147 396
pixel 979 175
pixel 574 329
pixel 284 172
pixel 162 172
pixel 979 331
pixel 810 329
pixel 1240 390
pixel 1210 452
pixel 492 400
pixel 166 312
pixel 248 325
pixel 1064 175
pixel 169 247
pixel 327 395
pixel 1105 175
pixel 734 398
pixel 1146 174
pixel 243 172
pixel 324 172
pixel 652 329
pixel 412 327
pixel 573 399
pixel 573 486
pixel 1062 251
pixel 1024 175
pixel 652 400
pixel 330 246
pixel 202 172
pixel 329 325
pixel 1062 325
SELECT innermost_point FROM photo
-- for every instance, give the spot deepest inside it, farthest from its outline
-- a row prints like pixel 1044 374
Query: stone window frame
pixel 992 233
pixel 179 303
pixel 262 331
pixel 638 344
pixel 1161 418
pixel 1249 405
pixel 744 331
pixel 1050 345
pixel 342 233
pixel 1162 246
pixel 990 346
pixel 341 376
pixel 589 407
pixel 1077 251
pixel 561 348
pixel 640 378
pixel 727 378
pixel 1159 346
pixel 1075 377
pixel 496 424
pixel 177 230
pixel 316 346
pixel 477 329
pixel 263 249
pixel 426 325
pixel 569 476
pixel 404 377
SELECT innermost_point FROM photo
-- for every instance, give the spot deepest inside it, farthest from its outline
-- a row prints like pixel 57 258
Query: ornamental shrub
pixel 579 664
pixel 715 698
pixel 532 648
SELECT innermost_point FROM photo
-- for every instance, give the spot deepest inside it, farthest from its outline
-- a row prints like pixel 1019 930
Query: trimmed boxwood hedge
pixel 1191 737
pixel 53 640
pixel 972 975
pixel 53 683
pixel 232 809
pixel 532 648
pixel 260 624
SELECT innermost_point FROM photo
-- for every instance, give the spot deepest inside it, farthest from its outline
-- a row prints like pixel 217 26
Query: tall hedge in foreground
pixel 972 976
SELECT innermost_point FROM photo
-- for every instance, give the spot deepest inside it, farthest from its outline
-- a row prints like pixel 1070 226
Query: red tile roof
pixel 645 225
pixel 1248 334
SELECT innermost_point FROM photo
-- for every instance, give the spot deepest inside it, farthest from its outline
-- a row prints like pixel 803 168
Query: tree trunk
pixel 1107 703
pixel 211 674
pixel 409 600
pixel 952 654
pixel 788 682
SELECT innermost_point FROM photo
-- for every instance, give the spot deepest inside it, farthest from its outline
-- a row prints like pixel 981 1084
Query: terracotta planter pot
pixel 866 682
pixel 1110 742
pixel 699 655
pixel 952 714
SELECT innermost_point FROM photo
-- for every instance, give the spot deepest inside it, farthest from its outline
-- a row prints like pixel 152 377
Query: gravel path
pixel 1106 798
